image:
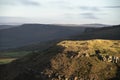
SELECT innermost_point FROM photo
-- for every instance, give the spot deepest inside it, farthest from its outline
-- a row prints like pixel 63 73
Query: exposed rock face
pixel 113 59
pixel 108 58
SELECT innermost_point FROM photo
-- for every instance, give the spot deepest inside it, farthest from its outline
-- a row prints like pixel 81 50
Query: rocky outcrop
pixel 108 58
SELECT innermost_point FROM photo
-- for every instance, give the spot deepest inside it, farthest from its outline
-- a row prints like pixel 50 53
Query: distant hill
pixel 34 33
pixel 112 33
pixel 95 25
pixel 31 34
pixel 7 26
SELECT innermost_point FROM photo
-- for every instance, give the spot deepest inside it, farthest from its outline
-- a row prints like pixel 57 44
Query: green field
pixel 9 56
pixel 6 60
pixel 13 54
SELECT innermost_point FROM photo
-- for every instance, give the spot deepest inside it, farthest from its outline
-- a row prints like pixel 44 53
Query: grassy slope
pixel 85 67
pixel 57 61
pixel 111 47
pixel 13 54
pixel 6 60
pixel 9 56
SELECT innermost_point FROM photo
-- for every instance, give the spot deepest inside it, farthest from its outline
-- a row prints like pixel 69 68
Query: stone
pixel 72 57
pixel 66 78
pixel 113 59
pixel 87 55
pixel 110 59
pixel 59 77
pixel 75 78
pixel 104 58
pixel 49 76
pixel 116 59
pixel 78 55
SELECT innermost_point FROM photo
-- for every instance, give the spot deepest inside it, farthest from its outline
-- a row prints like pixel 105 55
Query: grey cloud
pixel 111 6
pixel 84 8
pixel 89 15
pixel 58 2
pixel 89 8
pixel 29 2
pixel 21 2
pixel 5 2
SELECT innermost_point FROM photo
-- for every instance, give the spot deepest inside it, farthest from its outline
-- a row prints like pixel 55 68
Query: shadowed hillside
pixel 112 33
pixel 77 60
pixel 34 33
pixel 7 26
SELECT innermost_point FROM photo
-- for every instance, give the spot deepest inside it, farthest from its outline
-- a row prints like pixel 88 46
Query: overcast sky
pixel 60 11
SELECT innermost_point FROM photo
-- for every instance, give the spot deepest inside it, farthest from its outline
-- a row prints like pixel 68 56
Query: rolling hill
pixel 8 26
pixel 34 33
pixel 112 33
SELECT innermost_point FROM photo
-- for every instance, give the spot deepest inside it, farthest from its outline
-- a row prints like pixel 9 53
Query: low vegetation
pixel 13 54
pixel 80 60
pixel 69 60
pixel 9 56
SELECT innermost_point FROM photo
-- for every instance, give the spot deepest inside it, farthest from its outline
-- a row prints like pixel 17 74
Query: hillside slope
pixel 112 33
pixel 77 60
pixel 34 33
pixel 7 26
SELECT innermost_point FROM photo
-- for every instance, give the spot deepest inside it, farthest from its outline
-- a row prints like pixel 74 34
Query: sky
pixel 60 11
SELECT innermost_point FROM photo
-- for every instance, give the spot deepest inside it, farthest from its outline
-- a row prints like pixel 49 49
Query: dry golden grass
pixel 87 67
pixel 111 47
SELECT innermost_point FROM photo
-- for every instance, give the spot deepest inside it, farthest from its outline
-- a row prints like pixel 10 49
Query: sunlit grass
pixel 6 60
pixel 14 54
pixel 111 47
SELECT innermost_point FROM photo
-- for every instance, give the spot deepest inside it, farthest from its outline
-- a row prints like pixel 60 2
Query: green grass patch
pixel 6 60
pixel 14 54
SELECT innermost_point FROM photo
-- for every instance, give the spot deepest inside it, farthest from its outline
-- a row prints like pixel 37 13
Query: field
pixel 6 60
pixel 9 56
